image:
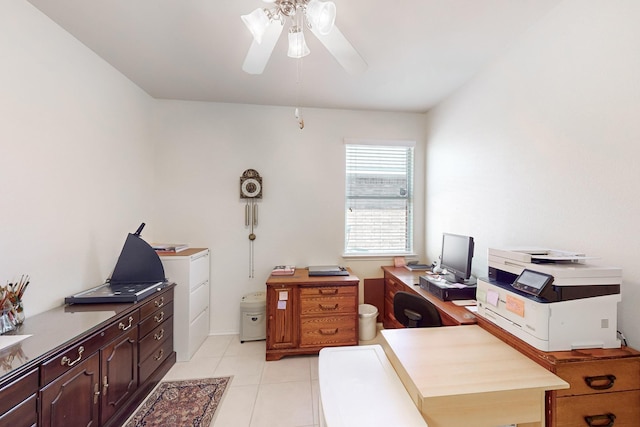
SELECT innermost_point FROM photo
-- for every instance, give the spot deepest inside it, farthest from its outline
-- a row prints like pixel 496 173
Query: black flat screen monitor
pixel 456 257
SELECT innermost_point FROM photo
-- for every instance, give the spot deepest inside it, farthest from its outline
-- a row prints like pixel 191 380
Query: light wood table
pixel 464 376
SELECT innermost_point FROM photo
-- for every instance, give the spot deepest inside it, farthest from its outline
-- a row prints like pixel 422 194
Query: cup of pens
pixel 11 303
pixel 6 324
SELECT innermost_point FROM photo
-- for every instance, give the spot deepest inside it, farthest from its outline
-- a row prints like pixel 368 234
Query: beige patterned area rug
pixel 190 403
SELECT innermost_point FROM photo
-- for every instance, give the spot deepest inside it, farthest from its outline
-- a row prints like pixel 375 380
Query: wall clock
pixel 251 185
pixel 250 190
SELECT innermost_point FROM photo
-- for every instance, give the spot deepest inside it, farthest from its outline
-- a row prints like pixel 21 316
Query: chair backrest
pixel 413 311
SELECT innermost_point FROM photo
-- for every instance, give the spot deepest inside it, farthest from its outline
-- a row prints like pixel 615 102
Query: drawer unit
pixel 306 314
pixel 391 286
pixel 189 269
pixel 18 401
pixel 155 335
pixel 601 393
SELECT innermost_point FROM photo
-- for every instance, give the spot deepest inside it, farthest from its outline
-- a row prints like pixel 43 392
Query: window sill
pixel 378 256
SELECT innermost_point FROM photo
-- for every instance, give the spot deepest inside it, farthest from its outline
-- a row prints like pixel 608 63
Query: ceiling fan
pixel 318 16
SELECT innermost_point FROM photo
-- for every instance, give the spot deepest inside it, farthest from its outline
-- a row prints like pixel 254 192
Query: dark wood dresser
pixel 87 364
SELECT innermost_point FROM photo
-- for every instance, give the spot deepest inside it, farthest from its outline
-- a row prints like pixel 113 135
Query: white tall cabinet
pixel 189 269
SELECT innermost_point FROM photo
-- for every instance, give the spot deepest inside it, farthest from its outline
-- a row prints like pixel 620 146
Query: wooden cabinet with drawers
pixel 604 383
pixel 155 334
pixel 82 364
pixel 305 314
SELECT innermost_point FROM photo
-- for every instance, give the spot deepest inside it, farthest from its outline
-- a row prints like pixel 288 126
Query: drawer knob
pixel 328 291
pixel 159 303
pixel 159 335
pixel 159 318
pixel 328 306
pixel 67 361
pixel 600 382
pixel 596 420
pixel 122 327
pixel 328 331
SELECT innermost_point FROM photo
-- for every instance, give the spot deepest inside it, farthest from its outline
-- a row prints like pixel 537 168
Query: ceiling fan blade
pixel 259 53
pixel 342 50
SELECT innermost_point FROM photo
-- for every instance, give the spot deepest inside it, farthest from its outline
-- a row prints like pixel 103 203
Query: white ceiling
pixel 418 51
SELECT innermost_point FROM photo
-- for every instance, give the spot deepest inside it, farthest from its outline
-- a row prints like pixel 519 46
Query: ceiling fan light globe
pixel 321 15
pixel 297 45
pixel 257 22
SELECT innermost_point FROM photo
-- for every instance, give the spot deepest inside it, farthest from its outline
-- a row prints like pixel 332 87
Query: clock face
pixel 250 188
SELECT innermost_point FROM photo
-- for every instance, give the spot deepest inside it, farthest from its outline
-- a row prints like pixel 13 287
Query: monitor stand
pixel 471 281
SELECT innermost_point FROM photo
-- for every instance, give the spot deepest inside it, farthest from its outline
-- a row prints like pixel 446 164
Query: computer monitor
pixel 456 257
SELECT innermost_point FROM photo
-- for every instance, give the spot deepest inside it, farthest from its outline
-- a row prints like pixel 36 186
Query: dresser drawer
pixel 15 392
pixel 327 291
pixel 600 376
pixel 392 286
pixel 328 305
pixel 624 406
pixel 154 339
pixel 328 330
pixel 160 300
pixel 155 318
pixel 23 415
pixel 151 363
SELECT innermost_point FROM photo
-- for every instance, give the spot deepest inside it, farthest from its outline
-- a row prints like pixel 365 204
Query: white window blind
pixel 379 198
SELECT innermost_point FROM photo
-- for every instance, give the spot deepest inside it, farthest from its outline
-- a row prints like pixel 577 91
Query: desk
pixel 465 376
pixel 400 279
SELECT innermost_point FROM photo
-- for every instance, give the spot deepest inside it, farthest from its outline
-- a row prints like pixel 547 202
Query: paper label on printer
pixel 515 305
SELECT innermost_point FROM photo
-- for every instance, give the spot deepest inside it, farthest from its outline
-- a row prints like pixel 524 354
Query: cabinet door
pixel 119 372
pixel 282 329
pixel 73 399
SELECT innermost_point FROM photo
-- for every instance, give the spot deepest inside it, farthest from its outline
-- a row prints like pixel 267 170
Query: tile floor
pixel 282 393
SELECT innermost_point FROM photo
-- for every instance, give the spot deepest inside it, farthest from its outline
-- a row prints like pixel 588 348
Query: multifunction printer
pixel 553 300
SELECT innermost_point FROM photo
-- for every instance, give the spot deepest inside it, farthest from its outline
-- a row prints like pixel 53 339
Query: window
pixel 379 197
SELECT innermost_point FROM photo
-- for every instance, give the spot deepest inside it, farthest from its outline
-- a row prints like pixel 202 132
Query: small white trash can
pixel 367 315
pixel 252 317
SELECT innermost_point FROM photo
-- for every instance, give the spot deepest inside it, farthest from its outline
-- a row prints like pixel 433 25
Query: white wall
pixel 86 156
pixel 203 149
pixel 75 165
pixel 542 147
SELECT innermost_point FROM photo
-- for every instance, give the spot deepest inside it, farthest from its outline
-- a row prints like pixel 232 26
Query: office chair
pixel 413 311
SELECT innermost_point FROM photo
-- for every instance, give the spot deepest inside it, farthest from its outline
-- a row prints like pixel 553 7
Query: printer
pixel 553 300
